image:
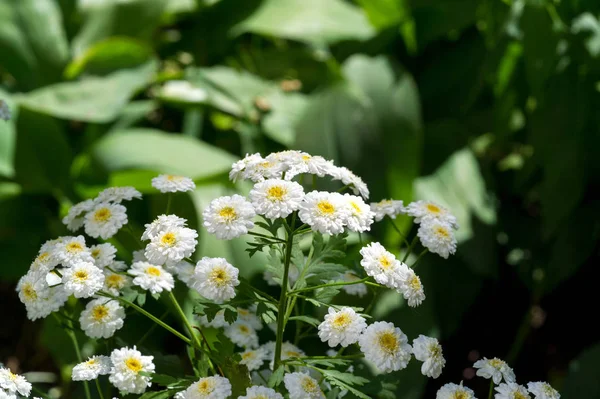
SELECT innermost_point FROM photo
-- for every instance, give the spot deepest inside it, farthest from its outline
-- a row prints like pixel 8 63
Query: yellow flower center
pixel 385 202
pixel 243 312
pixel 99 312
pixel 219 276
pixel 205 387
pixel 115 281
pixel 228 213
pixel 388 342
pixel 133 364
pixel 153 271
pixel 43 257
pixel 74 247
pixel 169 239
pixel 309 385
pixel 248 355
pixel 496 363
pixel 442 232
pixel 29 292
pixel 306 158
pixel 91 362
pixel 433 208
pixel 385 262
pixel 276 193
pixel 519 395
pixel 173 178
pixel 460 395
pixel 415 283
pixel 95 253
pixel 292 354
pixel 244 329
pixel 435 350
pixel 355 207
pixel 12 376
pixel 102 215
pixel 341 321
pixel 325 207
pixel 81 275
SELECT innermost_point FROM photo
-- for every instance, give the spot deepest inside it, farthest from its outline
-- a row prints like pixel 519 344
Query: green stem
pixel 491 394
pixel 151 329
pixel 73 337
pixel 252 233
pixel 316 287
pixel 169 201
pixel 99 389
pixel 399 232
pixel 410 248
pixel 281 312
pixel 419 258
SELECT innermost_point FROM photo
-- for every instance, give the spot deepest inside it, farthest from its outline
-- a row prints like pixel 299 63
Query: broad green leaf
pixel 583 376
pixel 286 110
pixel 33 45
pixel 7 137
pixel 312 21
pixel 160 151
pixel 385 13
pixel 93 99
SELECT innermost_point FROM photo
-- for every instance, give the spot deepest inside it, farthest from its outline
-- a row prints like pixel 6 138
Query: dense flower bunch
pixel 261 362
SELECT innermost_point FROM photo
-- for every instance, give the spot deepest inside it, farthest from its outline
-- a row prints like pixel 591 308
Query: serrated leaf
pixel 277 376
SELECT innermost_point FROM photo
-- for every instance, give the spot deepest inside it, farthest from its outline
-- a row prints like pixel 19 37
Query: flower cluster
pixel 12 384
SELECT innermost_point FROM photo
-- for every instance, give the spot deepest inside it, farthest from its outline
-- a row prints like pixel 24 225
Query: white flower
pixel 74 218
pixel 302 386
pixel 103 254
pixel 361 216
pixel 301 162
pixel 259 392
pixel 382 265
pixel 242 334
pixel 429 351
pixel 184 272
pixel 254 358
pixel 215 387
pixel 542 390
pixel 511 390
pixel 138 256
pixel 171 245
pixel 386 207
pixel 342 327
pixel 72 250
pixel 325 212
pixel 14 383
pixel 151 277
pixel 276 198
pixel 453 391
pixel 160 224
pixel 260 169
pixel 92 368
pixel 115 282
pixel 495 369
pixel 422 210
pixel 173 184
pixel 183 91
pixel 101 318
pixel 118 194
pixel 359 289
pixel 7 395
pixel 438 237
pixel 288 351
pixel 229 217
pixel 83 279
pixel 238 169
pixel 349 178
pixel 249 316
pixel 105 220
pixel 411 287
pixel 215 278
pixel 44 262
pixel 126 366
pixel 386 346
pixel 40 300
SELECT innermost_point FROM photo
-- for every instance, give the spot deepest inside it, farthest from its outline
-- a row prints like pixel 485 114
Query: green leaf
pixel 162 152
pixel 306 319
pixel 385 13
pixel 158 395
pixel 92 99
pixel 277 376
pixel 312 21
pixel 584 376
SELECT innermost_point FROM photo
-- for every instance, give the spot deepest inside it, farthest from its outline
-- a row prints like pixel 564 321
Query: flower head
pixel 83 279
pixel 105 219
pixel 242 334
pixel 386 346
pixel 325 212
pixel 173 183
pixel 495 369
pixel 229 217
pixel 103 254
pixel 160 224
pixel 92 368
pixel 14 383
pixel 410 287
pixel 70 251
pixel 254 358
pixel 75 217
pixel 259 392
pixel 342 327
pixel 171 245
pixel 382 265
pixel 427 210
pixel 39 298
pixel 361 216
pixel 454 391
pixel 302 386
pixel 438 237
pixel 215 387
pixel 101 318
pixel 386 207
pixel 118 194
pixel 115 282
pixel 359 289
pixel 215 279
pixel 238 169
pixel 275 198
pixel 126 367
pixel 347 177
pixel 151 277
pixel 429 351
pixel 511 390
pixel 542 390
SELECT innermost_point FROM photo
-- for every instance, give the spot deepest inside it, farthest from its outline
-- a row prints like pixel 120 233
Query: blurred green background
pixel 486 106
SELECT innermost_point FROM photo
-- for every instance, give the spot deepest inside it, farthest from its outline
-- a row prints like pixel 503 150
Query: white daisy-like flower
pixel 118 194
pixel 422 210
pixel 254 358
pixel 542 390
pixel 7 395
pixel 325 212
pixel 302 386
pixel 229 217
pixel 160 224
pixel 239 167
pixel 75 217
pixel 263 169
pixel 138 256
pixel 171 245
pixel 184 272
pixel 359 290
pixel 183 91
pixel 429 351
pixel 275 198
pixel 410 287
pixel 260 392
pixel 101 318
pixel 249 316
pixel 92 368
pixel 386 207
pixel 115 282
pixel 386 346
pixel 151 277
pixel 14 383
pixel 126 367
pixel 288 351
pixel 511 390
pixel 44 262
pixel 454 391
pixel 495 369
pixel 83 280
pixel 347 177
pixel 303 162
pixel 242 334
pixel 40 300
pixel 215 279
pixel 438 237
pixel 103 254
pixel 215 387
pixel 173 183
pixel 361 216
pixel 381 265
pixel 72 250
pixel 105 220
pixel 341 327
